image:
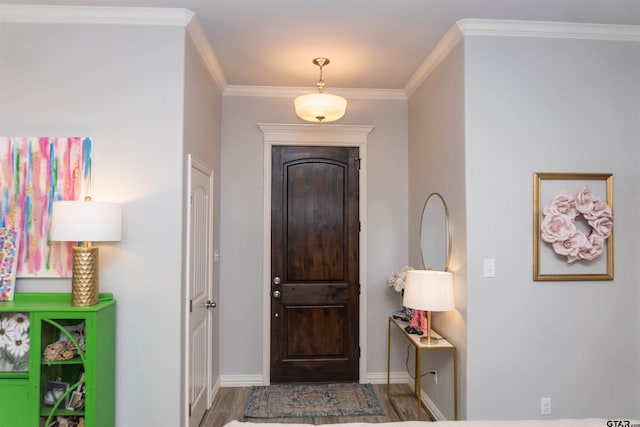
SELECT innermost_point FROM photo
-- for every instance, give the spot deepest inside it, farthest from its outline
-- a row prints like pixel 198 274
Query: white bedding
pixel 586 422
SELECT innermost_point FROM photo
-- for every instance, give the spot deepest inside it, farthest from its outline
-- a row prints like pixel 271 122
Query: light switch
pixel 489 267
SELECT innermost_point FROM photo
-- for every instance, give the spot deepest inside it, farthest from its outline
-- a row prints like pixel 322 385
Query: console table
pixel 419 347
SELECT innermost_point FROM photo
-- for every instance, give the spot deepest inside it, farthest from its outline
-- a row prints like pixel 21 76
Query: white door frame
pixel 193 162
pixel 318 135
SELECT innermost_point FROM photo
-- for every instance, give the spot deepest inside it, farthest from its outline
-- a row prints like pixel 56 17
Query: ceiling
pixel 376 44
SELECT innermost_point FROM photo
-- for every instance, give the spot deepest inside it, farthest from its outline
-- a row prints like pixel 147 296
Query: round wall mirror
pixel 435 234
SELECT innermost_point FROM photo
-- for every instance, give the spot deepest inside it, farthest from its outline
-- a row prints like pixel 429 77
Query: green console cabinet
pixel 57 361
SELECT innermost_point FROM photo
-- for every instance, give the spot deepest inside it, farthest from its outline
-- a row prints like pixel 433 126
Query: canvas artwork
pixel 35 172
pixel 9 244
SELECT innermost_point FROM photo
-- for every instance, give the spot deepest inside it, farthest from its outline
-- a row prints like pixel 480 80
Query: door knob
pixel 276 280
pixel 276 294
pixel 209 304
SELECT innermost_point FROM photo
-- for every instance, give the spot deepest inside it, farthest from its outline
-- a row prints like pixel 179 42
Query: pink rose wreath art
pixel 559 225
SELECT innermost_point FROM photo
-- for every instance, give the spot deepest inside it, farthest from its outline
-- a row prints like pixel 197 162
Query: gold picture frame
pixel 548 263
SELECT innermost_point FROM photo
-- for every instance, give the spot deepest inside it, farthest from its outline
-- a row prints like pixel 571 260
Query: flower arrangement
pixel 14 342
pixel 398 278
pixel 559 225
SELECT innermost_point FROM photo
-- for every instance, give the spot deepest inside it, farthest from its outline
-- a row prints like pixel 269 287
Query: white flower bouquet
pixel 14 342
pixel 398 278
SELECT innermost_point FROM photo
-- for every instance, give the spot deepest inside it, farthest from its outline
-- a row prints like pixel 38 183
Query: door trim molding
pixel 327 135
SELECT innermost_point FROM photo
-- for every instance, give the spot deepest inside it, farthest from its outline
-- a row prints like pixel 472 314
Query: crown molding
pixel 194 29
pixel 95 15
pixel 542 29
pixel 292 92
pixel 437 55
pixel 511 28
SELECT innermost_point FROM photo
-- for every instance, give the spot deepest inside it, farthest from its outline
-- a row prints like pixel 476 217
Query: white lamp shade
pixel 429 290
pixel 320 107
pixel 86 221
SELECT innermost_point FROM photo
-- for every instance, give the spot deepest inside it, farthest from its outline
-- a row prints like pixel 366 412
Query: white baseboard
pixel 241 380
pixel 437 414
pixel 381 377
pixel 214 392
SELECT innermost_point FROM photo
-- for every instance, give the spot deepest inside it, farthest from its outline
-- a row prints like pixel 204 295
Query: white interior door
pixel 200 274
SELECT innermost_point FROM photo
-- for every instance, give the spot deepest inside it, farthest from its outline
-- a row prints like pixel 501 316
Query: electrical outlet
pixel 545 406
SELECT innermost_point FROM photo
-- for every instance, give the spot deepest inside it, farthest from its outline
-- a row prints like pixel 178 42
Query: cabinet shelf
pixel 75 361
pixel 46 410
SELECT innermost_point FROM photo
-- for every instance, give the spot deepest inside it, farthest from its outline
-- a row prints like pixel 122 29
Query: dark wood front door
pixel 314 264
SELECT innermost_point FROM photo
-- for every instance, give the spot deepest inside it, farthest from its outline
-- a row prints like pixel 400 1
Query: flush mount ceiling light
pixel 320 107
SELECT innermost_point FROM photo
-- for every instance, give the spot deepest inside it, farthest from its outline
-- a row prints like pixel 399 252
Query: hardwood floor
pixel 230 402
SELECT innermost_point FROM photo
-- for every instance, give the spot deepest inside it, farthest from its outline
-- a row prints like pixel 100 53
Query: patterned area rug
pixel 312 400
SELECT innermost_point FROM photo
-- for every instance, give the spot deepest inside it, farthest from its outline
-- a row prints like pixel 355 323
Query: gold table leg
pixel 455 384
pixel 417 386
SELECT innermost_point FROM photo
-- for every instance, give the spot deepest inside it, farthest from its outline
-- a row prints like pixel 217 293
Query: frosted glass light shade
pixel 320 107
pixel 428 290
pixel 86 221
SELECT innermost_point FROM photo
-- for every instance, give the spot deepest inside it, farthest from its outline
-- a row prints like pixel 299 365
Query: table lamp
pixel 85 222
pixel 428 290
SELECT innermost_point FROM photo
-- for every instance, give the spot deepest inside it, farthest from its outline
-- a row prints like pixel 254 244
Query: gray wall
pixel 124 86
pixel 437 165
pixel 203 139
pixel 533 105
pixel 242 222
pixel 550 105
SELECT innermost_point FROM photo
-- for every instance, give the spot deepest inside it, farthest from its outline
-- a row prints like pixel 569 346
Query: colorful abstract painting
pixel 35 172
pixel 9 244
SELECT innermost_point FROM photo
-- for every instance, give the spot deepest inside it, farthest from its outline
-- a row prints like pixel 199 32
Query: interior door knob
pixel 209 304
pixel 276 280
pixel 276 294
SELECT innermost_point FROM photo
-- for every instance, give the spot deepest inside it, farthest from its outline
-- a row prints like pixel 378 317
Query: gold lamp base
pixel 428 340
pixel 84 279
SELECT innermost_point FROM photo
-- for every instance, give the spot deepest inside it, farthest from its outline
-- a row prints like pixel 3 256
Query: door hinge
pixel 359 226
pixel 359 352
pixel 359 160
pixel 359 286
pixel 190 306
pixel 189 409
